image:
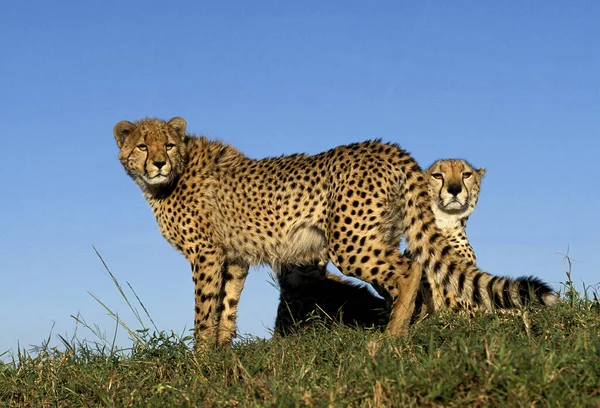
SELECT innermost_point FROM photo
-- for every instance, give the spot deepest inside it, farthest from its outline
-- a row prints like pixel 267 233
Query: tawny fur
pixel 350 205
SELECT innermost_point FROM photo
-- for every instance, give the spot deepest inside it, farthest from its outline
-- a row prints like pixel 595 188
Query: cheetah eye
pixel 467 174
pixel 142 147
pixel 169 146
pixel 437 176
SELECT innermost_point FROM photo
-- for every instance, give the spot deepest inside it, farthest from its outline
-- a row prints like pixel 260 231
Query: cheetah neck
pixel 455 230
pixel 153 194
pixel 452 227
pixel 450 222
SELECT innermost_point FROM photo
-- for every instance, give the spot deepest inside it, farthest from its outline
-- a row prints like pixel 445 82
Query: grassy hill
pixel 547 357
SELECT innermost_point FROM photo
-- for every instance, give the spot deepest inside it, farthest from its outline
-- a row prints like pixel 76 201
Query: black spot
pixel 524 290
pixel 506 293
pixel 461 283
pixel 490 289
pixel 476 293
pixel 451 268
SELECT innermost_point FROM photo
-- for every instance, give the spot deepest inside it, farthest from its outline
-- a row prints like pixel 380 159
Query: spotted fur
pixel 351 205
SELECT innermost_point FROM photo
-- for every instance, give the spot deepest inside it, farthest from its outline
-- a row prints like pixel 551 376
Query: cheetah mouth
pixel 157 179
pixel 454 205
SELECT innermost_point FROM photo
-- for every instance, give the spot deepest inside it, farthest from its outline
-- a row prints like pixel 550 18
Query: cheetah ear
pixel 122 130
pixel 179 125
pixel 481 171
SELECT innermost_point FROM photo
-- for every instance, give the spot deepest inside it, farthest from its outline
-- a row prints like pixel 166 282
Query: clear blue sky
pixel 512 86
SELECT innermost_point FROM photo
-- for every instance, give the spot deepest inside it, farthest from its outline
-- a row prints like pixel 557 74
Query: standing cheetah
pixel 309 290
pixel 350 205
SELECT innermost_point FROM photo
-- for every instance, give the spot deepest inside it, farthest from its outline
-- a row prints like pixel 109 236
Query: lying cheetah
pixel 454 187
pixel 350 205
pixel 310 291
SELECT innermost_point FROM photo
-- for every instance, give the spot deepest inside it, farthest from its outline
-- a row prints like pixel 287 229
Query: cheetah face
pixel 151 151
pixel 454 186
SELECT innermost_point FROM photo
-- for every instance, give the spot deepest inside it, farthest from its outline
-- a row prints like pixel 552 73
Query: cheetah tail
pixel 494 292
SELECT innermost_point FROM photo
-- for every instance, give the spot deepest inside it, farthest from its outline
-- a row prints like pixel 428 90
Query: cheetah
pixel 351 205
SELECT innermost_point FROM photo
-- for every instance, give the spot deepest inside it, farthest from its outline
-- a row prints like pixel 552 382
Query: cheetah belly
pixel 273 233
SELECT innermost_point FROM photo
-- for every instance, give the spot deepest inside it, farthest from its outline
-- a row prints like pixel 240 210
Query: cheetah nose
pixel 159 164
pixel 455 189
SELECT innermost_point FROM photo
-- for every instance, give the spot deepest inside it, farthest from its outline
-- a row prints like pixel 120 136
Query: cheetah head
pixel 454 187
pixel 152 151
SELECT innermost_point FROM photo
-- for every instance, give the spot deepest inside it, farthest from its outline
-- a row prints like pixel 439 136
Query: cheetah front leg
pixel 208 282
pixel 234 277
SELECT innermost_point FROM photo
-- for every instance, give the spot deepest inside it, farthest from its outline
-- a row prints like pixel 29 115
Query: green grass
pixel 544 357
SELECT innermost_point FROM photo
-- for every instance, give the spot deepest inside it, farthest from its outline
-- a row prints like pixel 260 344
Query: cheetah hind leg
pixel 387 267
pixel 408 279
pixel 234 277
